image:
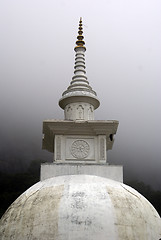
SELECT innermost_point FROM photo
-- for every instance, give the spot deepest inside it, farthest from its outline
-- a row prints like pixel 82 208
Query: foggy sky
pixel 123 41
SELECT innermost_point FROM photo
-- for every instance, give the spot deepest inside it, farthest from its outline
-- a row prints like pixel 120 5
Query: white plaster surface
pixel 49 170
pixel 80 207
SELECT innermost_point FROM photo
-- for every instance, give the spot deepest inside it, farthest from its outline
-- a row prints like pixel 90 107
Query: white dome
pixel 80 207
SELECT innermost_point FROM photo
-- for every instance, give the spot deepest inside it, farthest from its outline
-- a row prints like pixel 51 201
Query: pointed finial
pixel 80 42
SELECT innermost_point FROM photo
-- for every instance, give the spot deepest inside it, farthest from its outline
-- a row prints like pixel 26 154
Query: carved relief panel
pixel 102 148
pixel 58 148
pixel 90 113
pixel 68 113
pixel 80 148
pixel 80 112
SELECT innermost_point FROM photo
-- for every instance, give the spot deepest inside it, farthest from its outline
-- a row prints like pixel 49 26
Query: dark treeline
pixel 12 185
pixel 149 193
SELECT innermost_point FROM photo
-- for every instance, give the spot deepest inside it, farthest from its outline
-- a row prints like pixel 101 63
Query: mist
pixel 123 66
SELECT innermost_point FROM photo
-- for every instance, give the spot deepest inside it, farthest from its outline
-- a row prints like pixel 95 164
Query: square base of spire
pixel 79 141
pixel 49 170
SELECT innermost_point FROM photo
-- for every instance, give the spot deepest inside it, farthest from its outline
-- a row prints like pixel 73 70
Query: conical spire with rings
pixel 79 100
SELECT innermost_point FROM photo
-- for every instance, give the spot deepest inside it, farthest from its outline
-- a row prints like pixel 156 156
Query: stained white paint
pixel 80 207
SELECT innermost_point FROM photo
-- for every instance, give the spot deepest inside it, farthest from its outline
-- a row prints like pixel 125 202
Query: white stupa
pixel 80 196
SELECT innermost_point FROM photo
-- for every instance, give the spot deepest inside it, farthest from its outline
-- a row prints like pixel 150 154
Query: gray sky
pixel 123 41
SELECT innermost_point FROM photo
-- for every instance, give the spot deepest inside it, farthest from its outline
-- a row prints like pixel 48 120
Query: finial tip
pixel 80 43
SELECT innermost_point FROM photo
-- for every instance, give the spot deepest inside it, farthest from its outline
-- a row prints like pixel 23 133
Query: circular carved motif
pixel 80 149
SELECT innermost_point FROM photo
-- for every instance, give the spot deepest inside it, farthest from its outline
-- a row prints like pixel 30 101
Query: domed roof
pixel 80 207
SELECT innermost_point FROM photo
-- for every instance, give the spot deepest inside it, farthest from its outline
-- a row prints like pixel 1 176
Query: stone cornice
pixel 85 128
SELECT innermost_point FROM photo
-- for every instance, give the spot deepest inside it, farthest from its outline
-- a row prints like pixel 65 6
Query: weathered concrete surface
pixel 80 207
pixel 49 170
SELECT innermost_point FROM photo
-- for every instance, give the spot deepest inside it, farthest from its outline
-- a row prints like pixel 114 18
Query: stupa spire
pixel 79 138
pixel 79 100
